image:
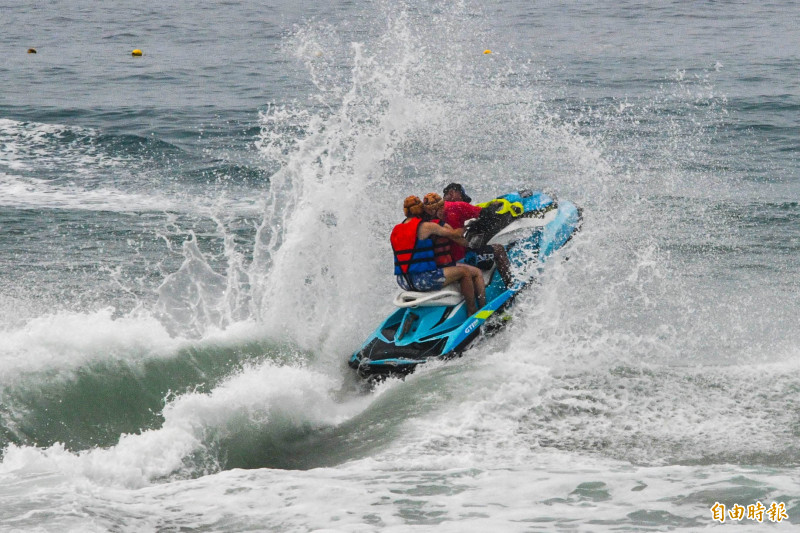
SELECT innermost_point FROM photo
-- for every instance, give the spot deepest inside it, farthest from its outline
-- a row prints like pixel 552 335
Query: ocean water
pixel 192 243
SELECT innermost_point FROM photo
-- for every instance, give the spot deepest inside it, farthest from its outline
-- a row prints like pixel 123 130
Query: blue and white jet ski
pixel 427 326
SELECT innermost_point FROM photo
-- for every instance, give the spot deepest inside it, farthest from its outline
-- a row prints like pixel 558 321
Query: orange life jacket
pixel 411 254
pixel 441 248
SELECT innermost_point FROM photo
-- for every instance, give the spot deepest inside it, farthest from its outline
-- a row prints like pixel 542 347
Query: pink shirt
pixel 455 214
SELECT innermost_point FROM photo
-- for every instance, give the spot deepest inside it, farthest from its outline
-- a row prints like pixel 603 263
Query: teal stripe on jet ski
pixel 479 318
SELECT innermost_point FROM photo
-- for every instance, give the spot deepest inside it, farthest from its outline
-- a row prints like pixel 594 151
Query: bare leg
pixel 461 274
pixel 469 294
pixel 476 275
pixel 503 265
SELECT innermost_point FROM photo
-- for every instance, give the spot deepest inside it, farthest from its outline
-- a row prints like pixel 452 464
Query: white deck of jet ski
pixel 448 295
pixel 522 226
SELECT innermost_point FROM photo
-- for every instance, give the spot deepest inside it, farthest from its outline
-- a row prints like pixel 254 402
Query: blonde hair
pixel 412 206
pixel 432 203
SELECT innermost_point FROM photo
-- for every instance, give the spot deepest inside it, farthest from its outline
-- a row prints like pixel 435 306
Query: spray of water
pixel 411 107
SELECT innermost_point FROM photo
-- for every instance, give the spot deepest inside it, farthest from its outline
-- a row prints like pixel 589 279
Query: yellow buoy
pixel 487 52
pixel 31 50
pixel 136 52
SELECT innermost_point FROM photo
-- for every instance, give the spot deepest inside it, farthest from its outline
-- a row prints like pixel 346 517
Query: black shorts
pixel 482 258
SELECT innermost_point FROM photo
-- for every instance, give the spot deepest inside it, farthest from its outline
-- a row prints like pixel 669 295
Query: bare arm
pixel 426 229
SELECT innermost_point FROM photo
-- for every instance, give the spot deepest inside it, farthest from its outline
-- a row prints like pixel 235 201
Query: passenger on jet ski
pixel 415 258
pixel 434 212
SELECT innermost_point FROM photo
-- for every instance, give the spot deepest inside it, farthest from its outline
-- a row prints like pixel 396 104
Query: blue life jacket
pixel 411 254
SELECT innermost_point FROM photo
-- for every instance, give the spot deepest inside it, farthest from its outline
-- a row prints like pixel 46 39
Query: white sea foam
pixel 54 166
pixel 622 375
pixel 67 340
pixel 267 396
pixel 32 193
pixel 555 490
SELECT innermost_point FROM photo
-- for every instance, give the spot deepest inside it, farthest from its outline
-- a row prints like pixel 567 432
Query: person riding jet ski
pixel 456 211
pixel 434 205
pixel 415 257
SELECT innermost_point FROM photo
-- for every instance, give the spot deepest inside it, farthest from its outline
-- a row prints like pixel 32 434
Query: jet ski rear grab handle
pixel 410 298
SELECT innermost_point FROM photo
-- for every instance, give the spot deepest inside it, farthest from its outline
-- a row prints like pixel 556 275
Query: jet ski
pixel 428 326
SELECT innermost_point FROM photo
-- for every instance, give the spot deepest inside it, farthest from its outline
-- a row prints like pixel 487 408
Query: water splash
pixel 415 104
pixel 272 400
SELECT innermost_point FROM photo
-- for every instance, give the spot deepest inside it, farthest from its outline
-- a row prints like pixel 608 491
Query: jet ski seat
pixel 448 295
